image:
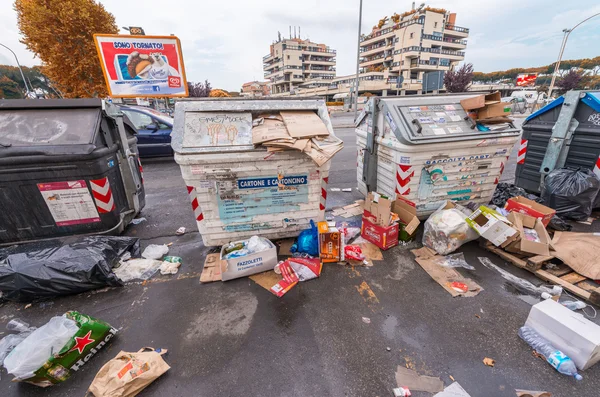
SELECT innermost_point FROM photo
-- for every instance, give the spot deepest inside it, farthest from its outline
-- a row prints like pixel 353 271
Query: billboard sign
pixel 526 80
pixel 142 66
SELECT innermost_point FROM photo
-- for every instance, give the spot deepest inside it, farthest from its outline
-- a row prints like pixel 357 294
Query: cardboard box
pixel 304 123
pixel 378 208
pixel 331 243
pixel 524 246
pixel 568 331
pixel 249 264
pixel 481 101
pixel 495 110
pixel 384 237
pixel 407 213
pixel 530 207
pixel 491 225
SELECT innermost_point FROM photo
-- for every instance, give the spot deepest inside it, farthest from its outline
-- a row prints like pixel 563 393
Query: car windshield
pixel 154 113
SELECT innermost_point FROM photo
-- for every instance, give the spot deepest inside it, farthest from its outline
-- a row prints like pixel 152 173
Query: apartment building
pixel 411 45
pixel 255 89
pixel 294 61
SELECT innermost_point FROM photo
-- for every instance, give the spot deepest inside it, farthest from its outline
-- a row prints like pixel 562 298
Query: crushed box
pixel 492 226
pixel 494 110
pixel 522 244
pixel 378 208
pixel 331 243
pixel 481 101
pixel 567 331
pixel 530 207
pixel 384 237
pixel 407 214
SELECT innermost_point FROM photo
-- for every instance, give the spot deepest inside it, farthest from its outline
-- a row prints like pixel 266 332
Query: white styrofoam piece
pixel 568 331
pixel 454 390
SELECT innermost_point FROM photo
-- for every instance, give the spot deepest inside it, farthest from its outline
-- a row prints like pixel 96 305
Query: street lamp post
pixel 357 61
pixel 20 70
pixel 562 50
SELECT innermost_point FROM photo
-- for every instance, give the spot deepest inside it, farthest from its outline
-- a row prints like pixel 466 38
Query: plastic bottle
pixel 574 305
pixel 556 358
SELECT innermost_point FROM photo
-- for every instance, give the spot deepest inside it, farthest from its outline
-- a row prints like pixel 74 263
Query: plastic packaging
pixel 453 260
pixel 348 231
pixel 554 357
pixel 574 305
pixel 18 325
pixel 137 269
pixel 446 230
pixel 504 191
pixel 170 265
pixel 571 192
pixel 52 268
pixel 558 223
pixel 354 252
pixel 29 355
pixel 155 251
pixel 257 244
pixel 253 245
pixel 308 241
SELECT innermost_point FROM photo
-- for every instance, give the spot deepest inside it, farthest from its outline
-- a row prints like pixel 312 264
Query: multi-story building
pixel 291 62
pixel 411 45
pixel 255 89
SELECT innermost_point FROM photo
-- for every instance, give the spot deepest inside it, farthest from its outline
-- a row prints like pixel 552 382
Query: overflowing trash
pixel 571 192
pixel 170 265
pixel 137 269
pixel 128 374
pixel 308 241
pixel 8 343
pixel 446 229
pixel 294 270
pixel 246 257
pixel 53 268
pixel 155 251
pixel 53 352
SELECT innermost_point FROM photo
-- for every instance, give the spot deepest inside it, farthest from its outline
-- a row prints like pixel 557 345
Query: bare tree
pixel 199 90
pixel 570 81
pixel 459 80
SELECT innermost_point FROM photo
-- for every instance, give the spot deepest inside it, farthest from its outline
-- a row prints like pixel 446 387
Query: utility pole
pixel 357 61
pixel 27 91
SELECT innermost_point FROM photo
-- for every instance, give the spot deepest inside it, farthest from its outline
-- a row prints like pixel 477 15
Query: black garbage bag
pixel 571 192
pixel 504 191
pixel 53 268
pixel 559 224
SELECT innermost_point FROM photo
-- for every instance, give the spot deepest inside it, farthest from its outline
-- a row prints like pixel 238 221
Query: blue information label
pixel 258 183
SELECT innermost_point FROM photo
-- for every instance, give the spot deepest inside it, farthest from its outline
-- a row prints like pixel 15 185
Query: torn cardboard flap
pixel 379 208
pixel 212 269
pixel 522 244
pixel 579 251
pixel 407 212
pixel 269 130
pixel 530 207
pixel 304 123
pixel 481 101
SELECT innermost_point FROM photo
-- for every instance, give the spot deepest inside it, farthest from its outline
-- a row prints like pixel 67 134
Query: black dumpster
pixel 564 133
pixel 67 166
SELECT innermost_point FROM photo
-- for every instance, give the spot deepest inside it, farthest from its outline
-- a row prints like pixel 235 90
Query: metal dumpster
pixel 426 149
pixel 238 190
pixel 67 166
pixel 564 133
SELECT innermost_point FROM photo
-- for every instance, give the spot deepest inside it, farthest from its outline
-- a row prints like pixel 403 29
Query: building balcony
pixel 272 73
pixel 380 35
pixel 415 49
pixel 319 62
pixel 267 57
pixel 322 51
pixel 454 43
pixel 272 65
pixel 372 50
pixel 456 31
pixel 291 68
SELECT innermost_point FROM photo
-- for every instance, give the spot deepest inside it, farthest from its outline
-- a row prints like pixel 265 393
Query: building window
pixel 288 57
pixel 444 62
pixel 300 57
pixel 435 24
pixel 412 35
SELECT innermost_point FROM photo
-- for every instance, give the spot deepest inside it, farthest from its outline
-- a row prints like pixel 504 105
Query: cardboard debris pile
pixel 301 130
pixel 489 110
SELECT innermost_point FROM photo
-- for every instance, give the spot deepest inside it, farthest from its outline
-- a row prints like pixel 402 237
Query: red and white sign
pixel 526 80
pixel 103 195
pixel 69 202
pixel 142 66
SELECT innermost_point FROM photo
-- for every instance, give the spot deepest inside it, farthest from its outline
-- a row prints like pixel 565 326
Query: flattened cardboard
pixel 521 244
pixel 304 123
pixel 212 269
pixel 530 207
pixel 269 130
pixel 579 251
pixel 444 276
pixel 480 101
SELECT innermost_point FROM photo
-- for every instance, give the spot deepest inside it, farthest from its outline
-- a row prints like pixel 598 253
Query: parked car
pixel 153 130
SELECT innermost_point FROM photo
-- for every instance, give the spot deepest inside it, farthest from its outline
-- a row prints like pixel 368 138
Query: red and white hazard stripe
pixel 522 152
pixel 141 170
pixel 102 195
pixel 195 206
pixel 597 167
pixel 403 175
pixel 323 202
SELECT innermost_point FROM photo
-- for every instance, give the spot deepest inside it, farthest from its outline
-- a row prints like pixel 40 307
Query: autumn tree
pixel 9 89
pixel 218 93
pixel 570 81
pixel 60 34
pixel 459 80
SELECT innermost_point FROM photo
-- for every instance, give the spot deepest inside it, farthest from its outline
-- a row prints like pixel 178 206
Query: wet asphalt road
pixel 237 339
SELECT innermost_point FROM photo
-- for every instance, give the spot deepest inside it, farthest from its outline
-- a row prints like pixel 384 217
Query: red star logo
pixel 81 343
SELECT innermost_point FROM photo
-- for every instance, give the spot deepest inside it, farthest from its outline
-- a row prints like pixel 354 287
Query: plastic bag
pixel 446 230
pixel 155 251
pixel 137 269
pixel 453 260
pixel 504 191
pixel 257 244
pixel 571 192
pixel 9 342
pixel 308 241
pixel 29 355
pixel 53 268
pixel 558 223
pixel 354 252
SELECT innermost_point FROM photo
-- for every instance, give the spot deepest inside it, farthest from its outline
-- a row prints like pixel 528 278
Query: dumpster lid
pixel 592 99
pixel 437 118
pixel 45 123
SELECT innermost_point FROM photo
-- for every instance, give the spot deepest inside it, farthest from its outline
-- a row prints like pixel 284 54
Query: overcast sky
pixel 224 41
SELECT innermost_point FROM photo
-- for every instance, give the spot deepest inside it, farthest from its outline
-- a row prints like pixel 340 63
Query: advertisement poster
pixel 526 80
pixel 70 203
pixel 142 66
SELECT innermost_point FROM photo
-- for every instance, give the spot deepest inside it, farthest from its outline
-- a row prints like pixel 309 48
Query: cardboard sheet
pixel 444 276
pixel 212 269
pixel 304 123
pixel 269 130
pixel 579 251
pixel 413 381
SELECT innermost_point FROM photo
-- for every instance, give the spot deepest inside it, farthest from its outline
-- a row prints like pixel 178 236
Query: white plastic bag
pixel 154 251
pixel 137 269
pixel 257 244
pixel 29 355
pixel 453 260
pixel 446 229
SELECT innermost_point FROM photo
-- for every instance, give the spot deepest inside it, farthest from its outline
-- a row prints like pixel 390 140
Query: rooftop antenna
pixel 299 35
pixel 294 32
pixel 413 6
pixel 290 32
pixel 278 36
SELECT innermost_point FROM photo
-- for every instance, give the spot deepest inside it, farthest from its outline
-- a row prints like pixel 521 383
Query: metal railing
pixel 457 28
pixel 309 49
pixel 430 50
